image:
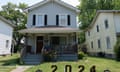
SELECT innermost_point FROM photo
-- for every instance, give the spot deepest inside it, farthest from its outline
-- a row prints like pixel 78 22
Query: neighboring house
pixel 6 30
pixel 102 34
pixel 51 23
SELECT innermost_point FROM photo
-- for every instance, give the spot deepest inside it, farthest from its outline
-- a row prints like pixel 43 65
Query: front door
pixel 39 44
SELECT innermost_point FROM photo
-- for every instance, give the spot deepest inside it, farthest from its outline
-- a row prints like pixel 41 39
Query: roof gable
pixel 6 21
pixel 56 1
pixel 97 15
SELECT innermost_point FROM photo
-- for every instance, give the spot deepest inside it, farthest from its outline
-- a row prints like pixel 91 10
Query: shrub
pixel 81 55
pixel 117 50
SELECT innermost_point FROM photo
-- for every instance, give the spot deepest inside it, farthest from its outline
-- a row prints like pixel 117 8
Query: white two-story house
pixel 51 23
pixel 6 34
pixel 102 34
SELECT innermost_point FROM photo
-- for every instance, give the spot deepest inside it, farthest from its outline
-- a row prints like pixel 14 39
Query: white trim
pixel 66 18
pixel 57 1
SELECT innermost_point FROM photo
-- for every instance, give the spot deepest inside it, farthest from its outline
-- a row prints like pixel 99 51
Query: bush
pixel 117 50
pixel 101 54
pixel 81 55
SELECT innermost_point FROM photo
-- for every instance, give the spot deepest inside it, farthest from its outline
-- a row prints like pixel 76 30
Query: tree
pixel 15 13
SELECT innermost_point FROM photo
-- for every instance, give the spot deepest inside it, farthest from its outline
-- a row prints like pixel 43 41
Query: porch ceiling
pixel 49 30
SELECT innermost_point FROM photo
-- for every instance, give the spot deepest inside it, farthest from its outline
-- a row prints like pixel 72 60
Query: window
pixel 63 20
pixel 108 42
pixel 88 33
pixel 92 44
pixel 40 20
pixel 97 28
pixel 99 43
pixel 7 43
pixel 106 24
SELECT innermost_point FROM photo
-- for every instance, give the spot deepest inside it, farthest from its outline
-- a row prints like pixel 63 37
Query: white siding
pixel 52 9
pixel 102 34
pixel 5 34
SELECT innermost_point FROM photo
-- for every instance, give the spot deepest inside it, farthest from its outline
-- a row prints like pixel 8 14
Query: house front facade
pixel 52 23
pixel 102 34
pixel 6 32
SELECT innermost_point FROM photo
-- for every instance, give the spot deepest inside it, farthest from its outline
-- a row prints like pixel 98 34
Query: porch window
pixel 55 40
pixel 63 41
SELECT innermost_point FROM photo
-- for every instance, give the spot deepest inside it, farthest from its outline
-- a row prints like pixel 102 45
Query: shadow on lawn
pixel 10 62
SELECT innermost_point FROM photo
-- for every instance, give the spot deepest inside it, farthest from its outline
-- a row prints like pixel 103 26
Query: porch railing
pixel 66 49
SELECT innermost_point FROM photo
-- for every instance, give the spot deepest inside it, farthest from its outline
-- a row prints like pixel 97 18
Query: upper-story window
pixel 97 27
pixel 106 24
pixel 63 20
pixel 39 20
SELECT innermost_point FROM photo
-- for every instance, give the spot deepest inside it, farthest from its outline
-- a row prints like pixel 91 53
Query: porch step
pixel 67 57
pixel 33 59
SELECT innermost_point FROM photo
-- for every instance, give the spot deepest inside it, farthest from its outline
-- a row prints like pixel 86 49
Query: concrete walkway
pixel 20 68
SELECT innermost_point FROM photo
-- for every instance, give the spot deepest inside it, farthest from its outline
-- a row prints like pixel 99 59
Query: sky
pixel 31 2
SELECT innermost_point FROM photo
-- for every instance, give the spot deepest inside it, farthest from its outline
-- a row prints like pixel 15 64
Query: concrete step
pixel 33 59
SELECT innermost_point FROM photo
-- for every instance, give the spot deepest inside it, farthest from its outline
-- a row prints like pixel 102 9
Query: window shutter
pixel 34 19
pixel 57 20
pixel 45 20
pixel 68 20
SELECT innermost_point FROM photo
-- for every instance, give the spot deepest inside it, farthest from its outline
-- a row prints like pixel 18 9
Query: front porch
pixel 63 44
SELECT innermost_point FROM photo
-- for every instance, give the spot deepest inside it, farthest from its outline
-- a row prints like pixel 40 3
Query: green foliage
pixel 15 13
pixel 89 7
pixel 82 37
pixel 81 55
pixel 117 50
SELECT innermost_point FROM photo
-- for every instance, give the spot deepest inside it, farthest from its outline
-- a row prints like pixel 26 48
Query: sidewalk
pixel 20 68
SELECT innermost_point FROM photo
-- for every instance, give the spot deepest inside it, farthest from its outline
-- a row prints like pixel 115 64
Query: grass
pixel 100 63
pixel 7 63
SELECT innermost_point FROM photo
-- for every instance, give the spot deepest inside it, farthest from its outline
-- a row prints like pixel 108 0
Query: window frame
pixel 66 19
pixel 108 42
pixel 106 24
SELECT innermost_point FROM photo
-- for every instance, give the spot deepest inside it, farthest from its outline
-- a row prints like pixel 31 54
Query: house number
pixel 68 68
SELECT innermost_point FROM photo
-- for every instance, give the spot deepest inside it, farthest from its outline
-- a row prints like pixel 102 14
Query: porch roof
pixel 49 30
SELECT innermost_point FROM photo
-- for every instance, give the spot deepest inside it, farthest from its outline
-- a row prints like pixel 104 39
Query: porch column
pixel 26 43
pixel 76 43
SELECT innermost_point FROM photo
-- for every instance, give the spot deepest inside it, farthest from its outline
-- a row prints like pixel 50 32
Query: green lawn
pixel 101 64
pixel 7 63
